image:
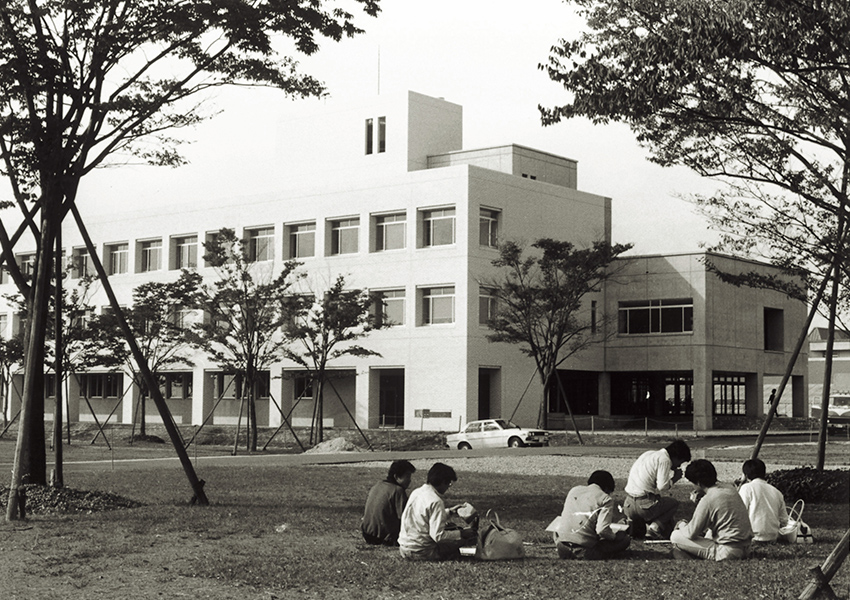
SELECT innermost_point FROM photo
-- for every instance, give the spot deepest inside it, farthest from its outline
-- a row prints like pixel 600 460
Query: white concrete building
pixel 384 193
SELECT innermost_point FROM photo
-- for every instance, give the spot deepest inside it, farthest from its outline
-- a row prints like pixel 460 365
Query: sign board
pixel 427 413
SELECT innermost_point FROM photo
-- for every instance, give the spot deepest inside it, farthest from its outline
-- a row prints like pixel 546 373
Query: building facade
pixel 383 193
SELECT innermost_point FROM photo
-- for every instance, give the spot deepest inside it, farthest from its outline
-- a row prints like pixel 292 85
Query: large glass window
pixel 344 236
pixel 438 305
pixel 391 307
pixel 260 244
pixel 151 256
pixel 117 256
pixel 302 240
pixel 439 227
pixel 656 316
pixel 390 231
pixel 488 228
pixel 186 252
pixel 730 395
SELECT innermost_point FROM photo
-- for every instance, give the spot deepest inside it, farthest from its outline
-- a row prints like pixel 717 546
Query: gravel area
pixel 576 466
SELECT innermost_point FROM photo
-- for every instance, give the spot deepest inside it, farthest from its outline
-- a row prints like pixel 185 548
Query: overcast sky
pixel 481 54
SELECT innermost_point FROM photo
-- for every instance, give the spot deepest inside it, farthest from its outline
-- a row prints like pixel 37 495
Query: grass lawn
pixel 292 532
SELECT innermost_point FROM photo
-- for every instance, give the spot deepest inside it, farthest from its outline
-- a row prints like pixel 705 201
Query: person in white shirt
pixel 425 531
pixel 765 504
pixel 654 472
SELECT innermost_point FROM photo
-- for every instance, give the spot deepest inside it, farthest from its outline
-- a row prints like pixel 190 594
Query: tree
pixel 322 330
pixel 540 298
pixel 11 355
pixel 159 325
pixel 81 82
pixel 245 310
pixel 753 92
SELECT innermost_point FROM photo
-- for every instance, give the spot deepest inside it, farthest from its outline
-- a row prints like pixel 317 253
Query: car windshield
pixel 506 424
pixel 843 401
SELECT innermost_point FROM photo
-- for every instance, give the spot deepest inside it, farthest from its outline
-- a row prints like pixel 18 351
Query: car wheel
pixel 464 446
pixel 515 442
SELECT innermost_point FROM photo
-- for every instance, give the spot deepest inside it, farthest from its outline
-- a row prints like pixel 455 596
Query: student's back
pixel 766 508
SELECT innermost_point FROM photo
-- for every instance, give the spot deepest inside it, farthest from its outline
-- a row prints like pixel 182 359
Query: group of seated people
pixel 592 526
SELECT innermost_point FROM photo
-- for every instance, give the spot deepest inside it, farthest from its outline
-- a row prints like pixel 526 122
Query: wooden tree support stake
pixel 824 573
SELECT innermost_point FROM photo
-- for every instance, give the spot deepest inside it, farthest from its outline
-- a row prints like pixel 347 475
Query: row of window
pixel 437 227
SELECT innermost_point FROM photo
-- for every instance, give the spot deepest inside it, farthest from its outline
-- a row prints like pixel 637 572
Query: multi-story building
pixel 839 376
pixel 383 193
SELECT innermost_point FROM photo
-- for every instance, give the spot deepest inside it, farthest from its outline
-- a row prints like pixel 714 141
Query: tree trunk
pixel 252 408
pixel 30 463
pixel 58 478
pixel 320 409
pixel 830 340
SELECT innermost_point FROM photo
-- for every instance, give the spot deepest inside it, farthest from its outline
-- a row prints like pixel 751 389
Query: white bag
pixel 796 531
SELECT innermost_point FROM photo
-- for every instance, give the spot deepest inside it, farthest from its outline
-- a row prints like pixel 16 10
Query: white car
pixel 496 433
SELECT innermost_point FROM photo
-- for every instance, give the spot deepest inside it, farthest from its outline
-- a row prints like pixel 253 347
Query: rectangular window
pixel 260 244
pixel 438 305
pixel 81 318
pixel 4 275
pixel 656 316
pixel 439 227
pixel 486 305
pixel 593 315
pixel 344 236
pixel 186 252
pixel 102 385
pixel 184 318
pixel 774 330
pixel 382 134
pixel 303 387
pixel 488 228
pixel 4 327
pixel 81 265
pixel 302 240
pixel 390 231
pixel 27 264
pixel 151 256
pixel 117 256
pixel 730 395
pixel 176 386
pixel 370 146
pixel 390 309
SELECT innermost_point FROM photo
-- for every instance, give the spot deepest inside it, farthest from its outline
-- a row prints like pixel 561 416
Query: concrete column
pixel 201 395
pixel 799 405
pixel 131 396
pixel 703 396
pixel 366 394
pixel 604 394
pixel 275 389
pixel 754 394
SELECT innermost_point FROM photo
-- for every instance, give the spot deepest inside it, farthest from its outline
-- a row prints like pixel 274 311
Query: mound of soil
pixel 40 500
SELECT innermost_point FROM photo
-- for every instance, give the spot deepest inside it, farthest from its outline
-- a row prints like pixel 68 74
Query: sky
pixel 481 54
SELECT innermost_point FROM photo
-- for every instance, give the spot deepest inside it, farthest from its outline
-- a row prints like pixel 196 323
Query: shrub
pixel 811 485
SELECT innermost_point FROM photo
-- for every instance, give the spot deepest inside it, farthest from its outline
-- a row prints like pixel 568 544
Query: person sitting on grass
pixel 765 504
pixel 426 533
pixel 720 512
pixel 655 471
pixel 381 522
pixel 587 527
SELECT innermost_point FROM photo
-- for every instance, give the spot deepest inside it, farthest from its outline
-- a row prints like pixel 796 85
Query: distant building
pixel 384 193
pixel 840 380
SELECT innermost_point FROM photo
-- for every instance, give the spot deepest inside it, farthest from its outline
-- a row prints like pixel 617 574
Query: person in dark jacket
pixel 381 521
